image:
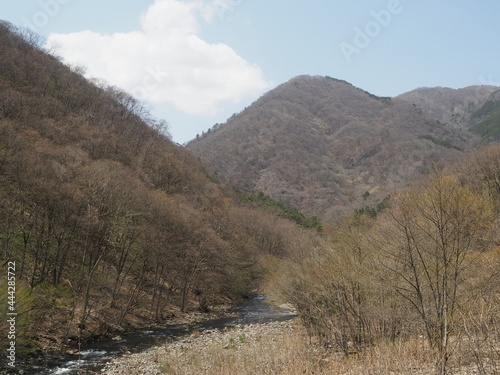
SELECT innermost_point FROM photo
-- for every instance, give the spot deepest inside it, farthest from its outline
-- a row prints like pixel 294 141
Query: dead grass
pixel 239 353
pixel 289 353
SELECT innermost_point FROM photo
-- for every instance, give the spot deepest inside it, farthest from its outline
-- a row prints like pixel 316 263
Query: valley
pixel 374 219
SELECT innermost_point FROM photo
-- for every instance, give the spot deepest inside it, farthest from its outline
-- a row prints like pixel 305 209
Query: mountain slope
pixel 326 147
pixel 109 225
pixel 457 108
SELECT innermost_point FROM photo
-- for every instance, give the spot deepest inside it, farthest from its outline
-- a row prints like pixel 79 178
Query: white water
pixel 253 311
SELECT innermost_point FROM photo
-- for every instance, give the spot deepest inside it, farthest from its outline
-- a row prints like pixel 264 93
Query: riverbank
pixel 276 348
pixel 53 357
pixel 93 356
pixel 271 348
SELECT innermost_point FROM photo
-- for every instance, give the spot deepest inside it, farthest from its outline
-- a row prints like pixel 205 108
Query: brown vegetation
pixel 326 147
pixel 449 106
pixel 109 223
pixel 425 268
pixel 112 226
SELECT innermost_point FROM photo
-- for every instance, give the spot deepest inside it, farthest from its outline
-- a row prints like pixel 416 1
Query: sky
pixel 196 62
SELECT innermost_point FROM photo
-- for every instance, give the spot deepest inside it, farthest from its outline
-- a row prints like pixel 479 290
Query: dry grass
pixel 284 349
pixel 288 352
pixel 245 351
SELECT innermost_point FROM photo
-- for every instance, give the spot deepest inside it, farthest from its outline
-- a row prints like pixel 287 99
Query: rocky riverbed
pixel 213 351
pixel 277 348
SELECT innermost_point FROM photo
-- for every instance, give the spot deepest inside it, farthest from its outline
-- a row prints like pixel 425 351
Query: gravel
pixel 199 344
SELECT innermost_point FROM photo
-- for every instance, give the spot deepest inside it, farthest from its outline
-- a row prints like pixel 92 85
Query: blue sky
pixel 196 62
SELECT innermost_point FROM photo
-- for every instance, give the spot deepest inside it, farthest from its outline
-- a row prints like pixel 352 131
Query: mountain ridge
pixel 452 106
pixel 320 144
pixel 110 225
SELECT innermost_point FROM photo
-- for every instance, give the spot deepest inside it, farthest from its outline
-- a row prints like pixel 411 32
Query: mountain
pixel 326 147
pixel 105 224
pixel 458 108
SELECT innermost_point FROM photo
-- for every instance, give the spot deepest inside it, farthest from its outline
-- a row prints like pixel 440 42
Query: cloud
pixel 167 60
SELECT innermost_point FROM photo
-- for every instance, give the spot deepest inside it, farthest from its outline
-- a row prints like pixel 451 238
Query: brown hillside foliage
pixel 422 275
pixel 449 106
pixel 110 224
pixel 326 147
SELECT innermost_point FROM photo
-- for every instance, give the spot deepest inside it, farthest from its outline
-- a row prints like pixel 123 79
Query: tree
pixel 427 246
pixel 333 289
pixel 481 171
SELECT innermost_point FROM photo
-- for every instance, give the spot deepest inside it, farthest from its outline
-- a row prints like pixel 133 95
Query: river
pixel 94 356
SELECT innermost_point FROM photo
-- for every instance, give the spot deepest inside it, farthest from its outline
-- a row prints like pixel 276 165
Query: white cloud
pixel 167 60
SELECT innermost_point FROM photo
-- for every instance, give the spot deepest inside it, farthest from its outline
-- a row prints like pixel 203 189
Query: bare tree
pixel 429 240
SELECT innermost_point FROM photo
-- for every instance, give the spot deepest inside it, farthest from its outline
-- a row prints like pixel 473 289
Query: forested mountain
pixel 326 147
pixel 108 223
pixel 455 107
pixel 410 263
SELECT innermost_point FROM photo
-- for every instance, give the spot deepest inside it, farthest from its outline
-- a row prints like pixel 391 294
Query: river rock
pixel 150 361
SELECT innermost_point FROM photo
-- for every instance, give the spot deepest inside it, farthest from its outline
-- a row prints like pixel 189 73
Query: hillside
pixel 105 223
pixel 326 147
pixel 461 108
